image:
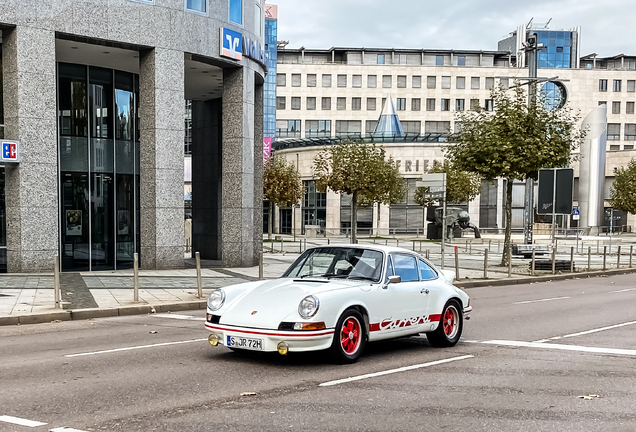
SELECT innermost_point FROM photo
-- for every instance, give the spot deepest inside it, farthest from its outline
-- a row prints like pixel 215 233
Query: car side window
pixel 406 267
pixel 426 272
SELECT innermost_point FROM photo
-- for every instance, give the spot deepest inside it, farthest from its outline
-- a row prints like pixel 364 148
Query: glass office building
pixel 269 87
pixel 556 53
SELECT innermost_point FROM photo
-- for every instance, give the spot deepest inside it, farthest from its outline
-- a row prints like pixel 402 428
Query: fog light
pixel 213 339
pixel 282 348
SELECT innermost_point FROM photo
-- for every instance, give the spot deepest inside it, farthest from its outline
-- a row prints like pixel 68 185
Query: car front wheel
pixel 349 338
pixel 450 326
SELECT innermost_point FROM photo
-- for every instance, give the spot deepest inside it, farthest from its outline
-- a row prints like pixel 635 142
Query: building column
pixel 259 118
pixel 161 108
pixel 31 187
pixel 238 168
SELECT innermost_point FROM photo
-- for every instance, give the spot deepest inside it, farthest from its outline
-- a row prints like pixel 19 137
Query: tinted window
pixel 426 272
pixel 405 267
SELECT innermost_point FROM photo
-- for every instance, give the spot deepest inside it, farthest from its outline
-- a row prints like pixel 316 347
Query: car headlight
pixel 216 299
pixel 308 307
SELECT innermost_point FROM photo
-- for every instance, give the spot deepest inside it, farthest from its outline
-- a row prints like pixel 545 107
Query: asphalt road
pixel 158 373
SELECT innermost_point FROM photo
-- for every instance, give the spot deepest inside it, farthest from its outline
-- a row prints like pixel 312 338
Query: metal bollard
pixel 427 253
pixel 571 259
pixel 485 263
pixel 489 242
pixel 260 265
pixel 300 245
pixel 553 260
pixel 413 245
pixel 397 243
pixel 509 260
pixel 386 242
pixel 618 257
pixel 604 257
pixel 271 245
pixel 420 246
pixel 631 249
pixel 532 265
pixel 456 262
pixel 199 283
pixel 470 248
pixel 498 244
pixel 56 281
pixel 281 246
pixel 136 277
pixel 328 241
pixel 589 258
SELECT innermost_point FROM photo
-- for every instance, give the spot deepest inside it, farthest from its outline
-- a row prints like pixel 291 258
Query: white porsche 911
pixel 338 298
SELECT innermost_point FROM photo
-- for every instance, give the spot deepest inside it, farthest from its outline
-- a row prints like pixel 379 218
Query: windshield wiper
pixel 363 277
pixel 334 275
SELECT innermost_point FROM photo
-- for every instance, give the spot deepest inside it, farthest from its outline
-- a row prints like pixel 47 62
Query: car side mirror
pixel 395 279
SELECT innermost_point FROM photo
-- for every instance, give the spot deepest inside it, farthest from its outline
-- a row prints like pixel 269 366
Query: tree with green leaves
pixel 360 170
pixel 281 186
pixel 623 191
pixel 461 186
pixel 514 141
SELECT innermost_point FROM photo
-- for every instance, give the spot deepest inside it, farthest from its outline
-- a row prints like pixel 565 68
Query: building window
pixel 348 127
pixel 341 103
pixel 459 104
pixel 295 80
pixel 356 80
pixel 629 108
pixel 416 82
pixel 372 81
pixel 446 82
pixel 444 105
pixel 615 147
pixel 280 102
pixel 436 127
pixel 439 60
pixel 431 82
pixel 474 83
pixel 412 126
pixel 416 104
pixel 400 104
pixel 311 80
pixel 630 131
pixel 386 81
pixel 236 11
pixel 488 106
pixel 631 86
pixel 602 103
pixel 369 126
pixel 505 83
pixel 287 128
pixel 490 83
pixel 311 103
pixel 326 80
pixel 460 83
pixel 380 59
pixel 616 107
pixel 356 104
pixel 281 80
pixel 317 128
pixel 430 104
pixel 295 103
pixel 461 60
pixel 196 6
pixel 617 85
pixel 474 104
pixel 370 104
pixel 602 85
pixel 613 131
pixel 401 81
pixel 326 103
pixel 342 80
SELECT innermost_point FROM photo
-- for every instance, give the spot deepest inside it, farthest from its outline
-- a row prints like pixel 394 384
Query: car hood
pixel 266 304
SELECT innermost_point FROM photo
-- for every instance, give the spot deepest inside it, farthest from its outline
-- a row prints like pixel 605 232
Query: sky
pixel 607 27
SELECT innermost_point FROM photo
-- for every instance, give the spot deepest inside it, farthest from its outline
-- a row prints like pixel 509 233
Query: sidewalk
pixel 29 298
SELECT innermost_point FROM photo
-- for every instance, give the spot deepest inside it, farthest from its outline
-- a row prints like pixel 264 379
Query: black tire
pixel 450 327
pixel 347 348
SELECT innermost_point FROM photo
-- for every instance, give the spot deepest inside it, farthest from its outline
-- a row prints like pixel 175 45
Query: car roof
pixel 383 248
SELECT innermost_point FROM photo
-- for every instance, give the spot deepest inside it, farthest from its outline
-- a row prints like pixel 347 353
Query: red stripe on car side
pixel 434 318
pixel 303 334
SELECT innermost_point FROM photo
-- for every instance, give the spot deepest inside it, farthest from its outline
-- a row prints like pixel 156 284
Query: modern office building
pixel 93 97
pixel 324 95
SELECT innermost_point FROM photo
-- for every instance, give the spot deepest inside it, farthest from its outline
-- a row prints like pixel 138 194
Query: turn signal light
pixel 313 326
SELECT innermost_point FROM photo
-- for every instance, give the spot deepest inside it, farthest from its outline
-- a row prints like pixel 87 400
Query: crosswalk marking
pixel 21 421
pixel 65 429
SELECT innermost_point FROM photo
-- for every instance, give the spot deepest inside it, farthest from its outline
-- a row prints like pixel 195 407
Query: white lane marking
pixel 562 347
pixel 542 300
pixel 65 429
pixel 391 371
pixel 135 347
pixel 586 332
pixel 620 291
pixel 21 421
pixel 180 317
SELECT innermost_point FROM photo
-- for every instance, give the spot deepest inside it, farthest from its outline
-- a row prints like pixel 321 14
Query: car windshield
pixel 338 262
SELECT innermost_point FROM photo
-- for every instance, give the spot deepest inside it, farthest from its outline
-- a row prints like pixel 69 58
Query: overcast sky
pixel 607 27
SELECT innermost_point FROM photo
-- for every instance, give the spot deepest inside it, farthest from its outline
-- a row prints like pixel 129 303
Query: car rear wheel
pixel 349 338
pixel 450 326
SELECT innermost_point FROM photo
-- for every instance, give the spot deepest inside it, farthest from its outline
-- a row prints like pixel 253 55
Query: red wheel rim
pixel 450 322
pixel 350 335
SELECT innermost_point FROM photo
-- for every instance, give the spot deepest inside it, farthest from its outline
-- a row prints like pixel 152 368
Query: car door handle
pixel 424 291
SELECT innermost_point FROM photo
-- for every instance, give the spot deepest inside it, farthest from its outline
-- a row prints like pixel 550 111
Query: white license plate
pixel 245 343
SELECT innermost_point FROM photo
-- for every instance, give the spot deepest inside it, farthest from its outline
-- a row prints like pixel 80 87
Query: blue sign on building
pixel 10 151
pixel 231 44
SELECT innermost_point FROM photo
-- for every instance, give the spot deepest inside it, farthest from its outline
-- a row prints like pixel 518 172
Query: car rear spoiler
pixel 449 275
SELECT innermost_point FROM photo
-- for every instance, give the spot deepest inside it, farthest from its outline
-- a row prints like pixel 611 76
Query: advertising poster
pixel 73 222
pixel 267 148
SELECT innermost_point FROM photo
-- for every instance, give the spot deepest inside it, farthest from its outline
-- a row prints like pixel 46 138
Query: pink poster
pixel 267 148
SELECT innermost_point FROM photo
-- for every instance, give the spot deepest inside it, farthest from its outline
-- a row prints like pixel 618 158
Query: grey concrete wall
pixel 28 55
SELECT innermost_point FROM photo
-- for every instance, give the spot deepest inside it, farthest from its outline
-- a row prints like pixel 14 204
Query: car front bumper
pixel 297 341
pixel 467 311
